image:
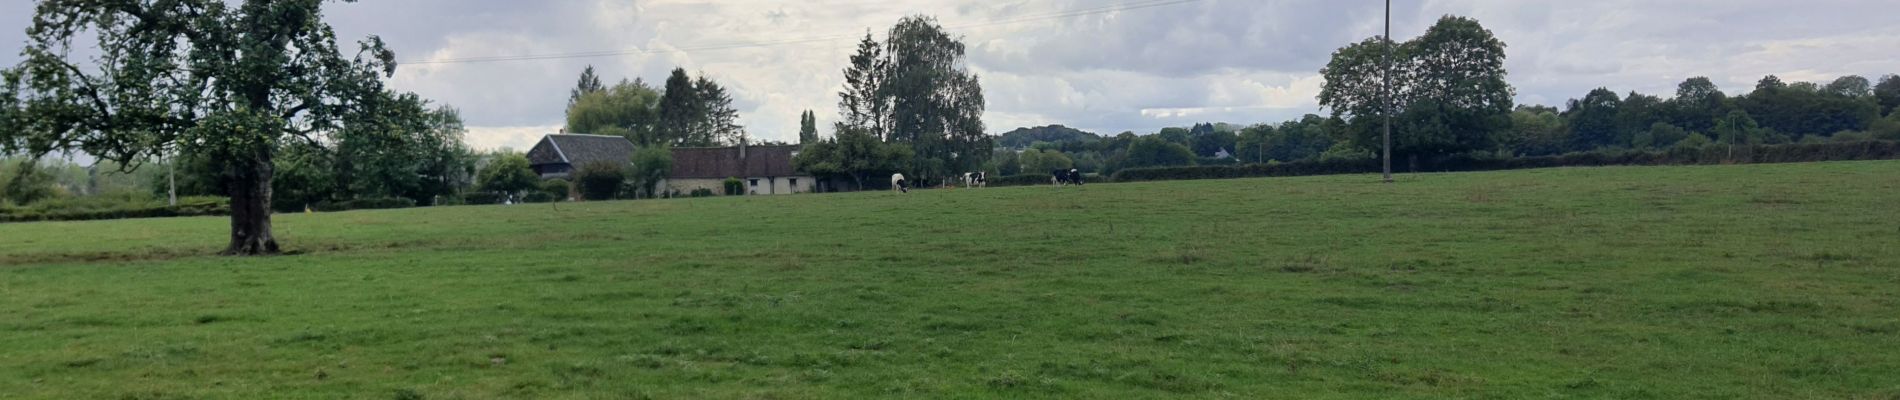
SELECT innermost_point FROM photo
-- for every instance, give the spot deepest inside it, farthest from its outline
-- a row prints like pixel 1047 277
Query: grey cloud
pixel 1212 60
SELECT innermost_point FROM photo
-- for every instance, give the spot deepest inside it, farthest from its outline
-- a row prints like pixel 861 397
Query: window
pixel 755 182
pixel 794 182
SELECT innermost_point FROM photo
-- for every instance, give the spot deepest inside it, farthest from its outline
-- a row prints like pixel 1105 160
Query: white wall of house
pixel 754 185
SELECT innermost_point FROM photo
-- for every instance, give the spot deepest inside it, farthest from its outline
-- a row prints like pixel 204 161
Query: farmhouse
pixel 559 155
pixel 761 169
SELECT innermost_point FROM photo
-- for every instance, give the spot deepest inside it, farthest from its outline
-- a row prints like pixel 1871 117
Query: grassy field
pixel 1759 281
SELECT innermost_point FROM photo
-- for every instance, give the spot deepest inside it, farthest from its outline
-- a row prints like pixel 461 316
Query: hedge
pixel 373 203
pixel 87 211
pixel 1019 180
pixel 1712 154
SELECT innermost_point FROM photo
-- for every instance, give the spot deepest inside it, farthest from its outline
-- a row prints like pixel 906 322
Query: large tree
pixel 862 104
pixel 1795 110
pixel 227 80
pixel 628 109
pixel 1850 86
pixel 1698 103
pixel 1592 120
pixel 915 90
pixel 1638 113
pixel 1887 93
pixel 696 112
pixel 406 149
pixel 718 122
pixel 1447 89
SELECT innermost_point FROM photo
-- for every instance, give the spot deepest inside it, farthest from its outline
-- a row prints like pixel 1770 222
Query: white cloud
pixel 517 138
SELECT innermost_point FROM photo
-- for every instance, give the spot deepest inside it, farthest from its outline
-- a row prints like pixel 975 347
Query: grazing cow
pixel 899 184
pixel 1069 177
pixel 975 179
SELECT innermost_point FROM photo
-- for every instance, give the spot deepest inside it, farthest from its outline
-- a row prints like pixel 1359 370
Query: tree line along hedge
pixel 1706 155
pixel 82 211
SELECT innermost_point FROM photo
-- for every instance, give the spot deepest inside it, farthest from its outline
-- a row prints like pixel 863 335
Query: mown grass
pixel 1761 281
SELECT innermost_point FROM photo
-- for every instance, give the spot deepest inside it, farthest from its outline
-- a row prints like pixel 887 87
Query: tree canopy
pixel 628 108
pixel 696 112
pixel 229 80
pixel 913 89
pixel 1447 89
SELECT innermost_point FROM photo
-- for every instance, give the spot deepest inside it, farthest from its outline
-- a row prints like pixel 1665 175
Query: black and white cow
pixel 975 179
pixel 899 184
pixel 1069 177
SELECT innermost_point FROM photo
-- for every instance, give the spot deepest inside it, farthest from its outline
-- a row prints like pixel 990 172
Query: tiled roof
pixel 724 162
pixel 580 150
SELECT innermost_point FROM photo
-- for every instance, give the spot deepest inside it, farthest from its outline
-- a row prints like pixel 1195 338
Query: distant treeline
pixel 1447 99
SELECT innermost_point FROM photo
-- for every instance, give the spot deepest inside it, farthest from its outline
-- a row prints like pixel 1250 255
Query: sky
pixel 1102 65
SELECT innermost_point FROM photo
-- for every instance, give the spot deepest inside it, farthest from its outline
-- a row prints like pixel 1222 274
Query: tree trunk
pixel 249 187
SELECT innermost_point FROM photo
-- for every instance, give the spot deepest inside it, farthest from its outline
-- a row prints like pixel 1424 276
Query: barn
pixel 560 155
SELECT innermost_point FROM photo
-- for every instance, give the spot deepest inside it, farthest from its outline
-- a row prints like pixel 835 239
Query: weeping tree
pixel 229 81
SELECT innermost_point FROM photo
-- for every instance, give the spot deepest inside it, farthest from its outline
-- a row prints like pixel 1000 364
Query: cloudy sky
pixel 1101 65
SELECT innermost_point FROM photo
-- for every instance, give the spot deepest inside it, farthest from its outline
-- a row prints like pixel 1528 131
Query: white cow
pixel 898 184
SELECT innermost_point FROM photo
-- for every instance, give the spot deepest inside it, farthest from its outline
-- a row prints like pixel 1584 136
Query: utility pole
pixel 1387 91
pixel 171 181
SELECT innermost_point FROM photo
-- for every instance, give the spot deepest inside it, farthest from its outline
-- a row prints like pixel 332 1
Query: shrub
pixel 24 182
pixel 601 180
pixel 510 173
pixel 1694 141
pixel 701 192
pixel 558 189
pixel 734 187
pixel 1020 180
pixel 482 198
pixel 369 203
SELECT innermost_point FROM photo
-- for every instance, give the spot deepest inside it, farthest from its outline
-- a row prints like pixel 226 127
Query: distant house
pixel 559 155
pixel 762 169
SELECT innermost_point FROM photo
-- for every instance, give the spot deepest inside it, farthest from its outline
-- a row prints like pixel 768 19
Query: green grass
pixel 1759 281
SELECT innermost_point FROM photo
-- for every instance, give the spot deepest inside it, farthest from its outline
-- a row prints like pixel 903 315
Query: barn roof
pixel 579 150
pixel 725 162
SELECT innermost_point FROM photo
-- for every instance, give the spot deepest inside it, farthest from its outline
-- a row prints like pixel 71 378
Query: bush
pixel 701 192
pixel 558 189
pixel 371 203
pixel 734 187
pixel 482 198
pixel 601 180
pixel 23 182
pixel 115 207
